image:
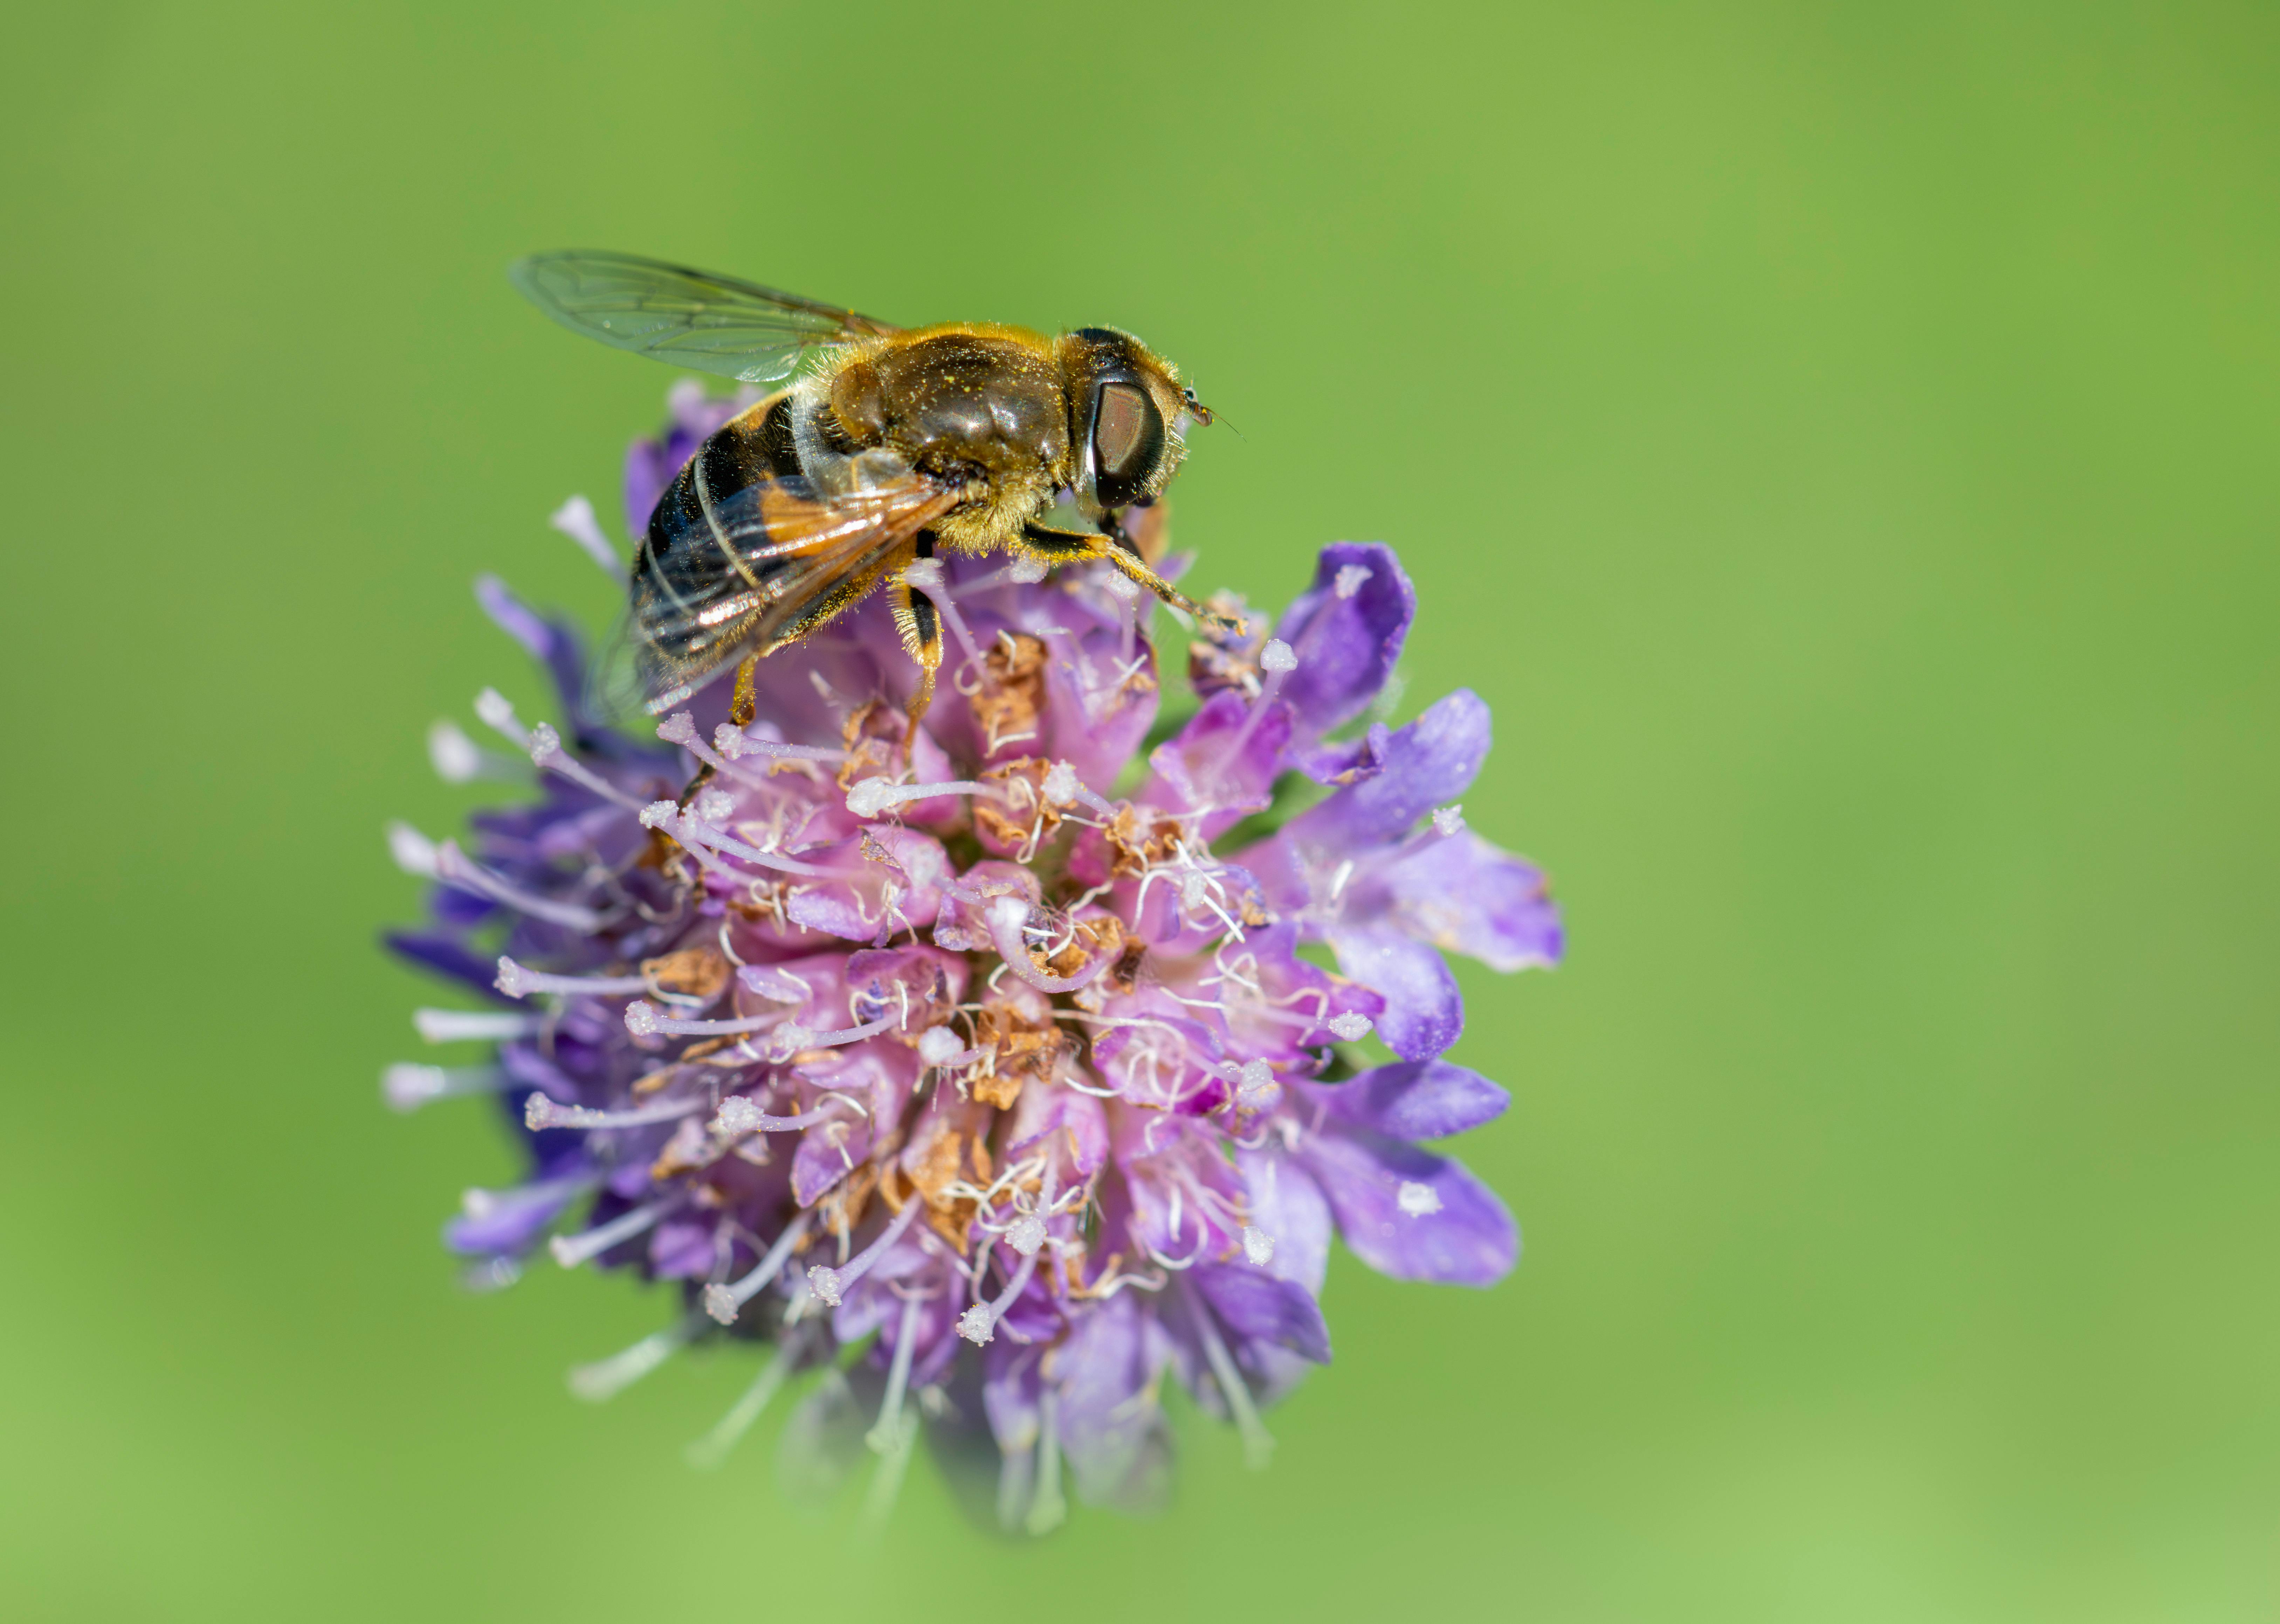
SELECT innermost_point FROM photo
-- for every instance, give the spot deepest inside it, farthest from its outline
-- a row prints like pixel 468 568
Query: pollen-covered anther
pixel 1277 656
pixel 1418 1200
pixel 1255 1088
pixel 1026 1233
pixel 1449 820
pixel 1350 1028
pixel 1257 1246
pixel 408 1086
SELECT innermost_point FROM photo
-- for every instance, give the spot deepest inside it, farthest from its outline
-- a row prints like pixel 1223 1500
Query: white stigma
pixel 1350 579
pixel 575 520
pixel 414 852
pixel 1450 819
pixel 1061 783
pixel 510 980
pixel 1418 1200
pixel 977 1324
pixel 641 1018
pixel 1277 656
pixel 1027 1234
pixel 1257 1246
pixel 825 1282
pixel 455 757
pixel 1351 1028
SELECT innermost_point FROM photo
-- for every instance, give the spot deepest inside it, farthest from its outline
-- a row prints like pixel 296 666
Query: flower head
pixel 985 1052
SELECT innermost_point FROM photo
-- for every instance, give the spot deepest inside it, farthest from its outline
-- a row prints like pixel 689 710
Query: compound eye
pixel 1121 429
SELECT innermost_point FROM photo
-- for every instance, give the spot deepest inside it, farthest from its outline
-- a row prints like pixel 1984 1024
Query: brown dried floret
pixel 1012 694
pixel 1022 1044
pixel 1011 824
pixel 870 732
pixel 699 972
pixel 1138 843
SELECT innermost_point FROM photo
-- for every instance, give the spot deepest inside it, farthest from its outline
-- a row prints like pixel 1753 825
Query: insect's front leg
pixel 1049 546
pixel 920 625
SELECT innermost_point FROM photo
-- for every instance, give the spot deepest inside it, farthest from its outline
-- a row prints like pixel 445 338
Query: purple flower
pixel 985 1094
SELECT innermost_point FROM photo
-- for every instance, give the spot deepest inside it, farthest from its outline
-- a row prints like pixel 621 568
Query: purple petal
pixel 1258 1307
pixel 1346 644
pixel 1111 1428
pixel 1411 1214
pixel 1417 1099
pixel 1427 764
pixel 1224 758
pixel 1287 1204
pixel 1424 1011
pixel 1465 894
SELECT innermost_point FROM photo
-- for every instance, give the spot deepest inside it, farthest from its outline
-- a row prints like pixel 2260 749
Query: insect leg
pixel 922 632
pixel 1048 546
pixel 742 706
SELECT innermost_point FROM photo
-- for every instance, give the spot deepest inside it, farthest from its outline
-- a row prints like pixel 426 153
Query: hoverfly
pixel 894 443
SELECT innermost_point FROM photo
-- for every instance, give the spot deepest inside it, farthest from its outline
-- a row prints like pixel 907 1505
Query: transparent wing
pixel 685 317
pixel 773 563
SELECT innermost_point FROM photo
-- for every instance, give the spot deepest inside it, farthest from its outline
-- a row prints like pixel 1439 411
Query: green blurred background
pixel 1839 441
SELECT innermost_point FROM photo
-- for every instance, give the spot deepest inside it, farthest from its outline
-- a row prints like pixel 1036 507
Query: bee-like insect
pixel 894 444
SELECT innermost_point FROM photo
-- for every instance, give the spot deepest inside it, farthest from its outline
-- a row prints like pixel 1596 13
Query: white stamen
pixel 1350 579
pixel 870 796
pixel 1277 656
pixel 1121 586
pixel 832 1284
pixel 474 1026
pixel 1258 1443
pixel 738 1115
pixel 457 867
pixel 414 852
pixel 546 752
pixel 517 981
pixel 979 1324
pixel 722 1302
pixel 481 1204
pixel 606 1378
pixel 1049 1507
pixel 498 714
pixel 575 520
pixel 711 1450
pixel 570 1250
pixel 1351 1028
pixel 887 1434
pixel 407 1086
pixel 733 743
pixel 1060 781
pixel 1450 819
pixel 1257 1246
pixel 458 759
pixel 1026 572
pixel 538 1112
pixel 1418 1200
